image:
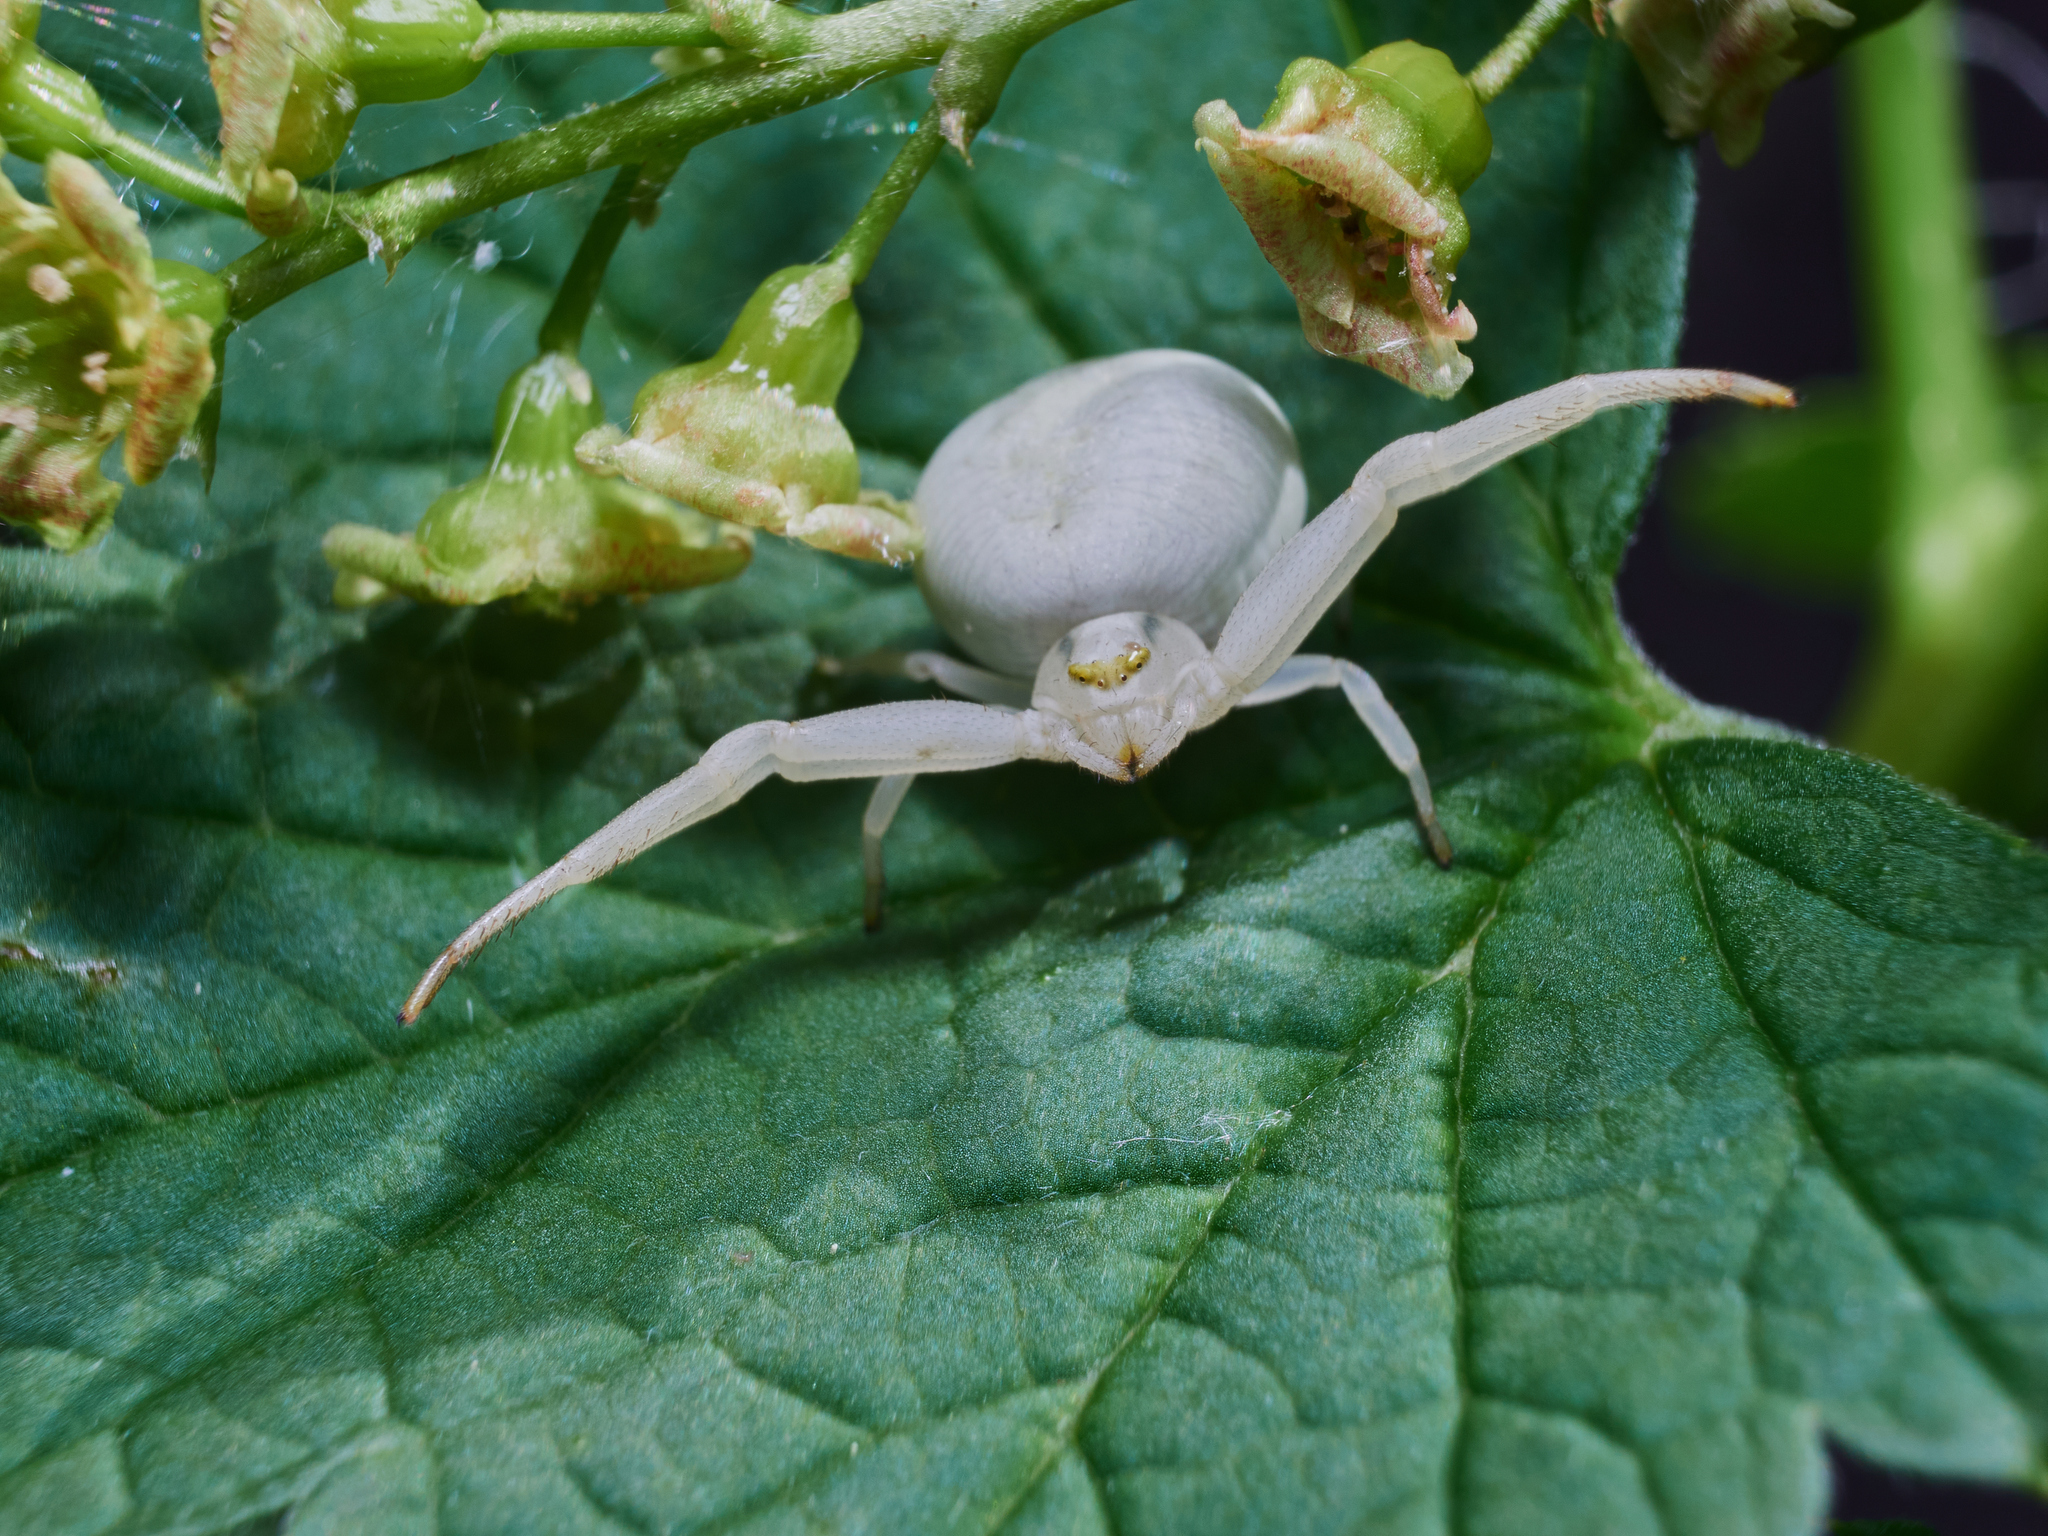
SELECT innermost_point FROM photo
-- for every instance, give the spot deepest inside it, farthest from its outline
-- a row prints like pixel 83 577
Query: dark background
pixel 1737 643
pixel 1786 214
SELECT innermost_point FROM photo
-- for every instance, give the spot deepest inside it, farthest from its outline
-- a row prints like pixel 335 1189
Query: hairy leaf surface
pixel 1192 1157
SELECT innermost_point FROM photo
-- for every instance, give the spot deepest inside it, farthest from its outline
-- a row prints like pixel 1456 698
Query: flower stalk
pixel 662 122
pixel 529 31
pixel 46 108
pixel 126 155
pixel 857 248
pixel 1497 71
pixel 562 330
pixel 1964 566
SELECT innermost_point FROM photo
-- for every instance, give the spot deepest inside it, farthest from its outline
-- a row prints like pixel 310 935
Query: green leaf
pixel 1189 1157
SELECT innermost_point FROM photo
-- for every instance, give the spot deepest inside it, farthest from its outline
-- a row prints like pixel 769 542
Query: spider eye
pixel 1114 672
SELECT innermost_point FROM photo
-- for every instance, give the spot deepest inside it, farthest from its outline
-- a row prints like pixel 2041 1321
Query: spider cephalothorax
pixel 1120 544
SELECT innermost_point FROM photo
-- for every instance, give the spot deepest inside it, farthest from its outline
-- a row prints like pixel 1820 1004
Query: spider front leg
pixel 1313 568
pixel 1298 674
pixel 885 741
pixel 1427 464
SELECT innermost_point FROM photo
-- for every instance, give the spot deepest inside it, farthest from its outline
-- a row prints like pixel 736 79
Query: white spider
pixel 1128 529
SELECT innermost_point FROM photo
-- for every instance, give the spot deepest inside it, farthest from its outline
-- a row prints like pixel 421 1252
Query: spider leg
pixel 874 825
pixel 956 677
pixel 976 683
pixel 1313 568
pixel 881 741
pixel 1427 464
pixel 1298 674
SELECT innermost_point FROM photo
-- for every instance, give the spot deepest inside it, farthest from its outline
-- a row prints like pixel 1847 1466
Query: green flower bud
pixel 1425 86
pixel 1350 185
pixel 44 107
pixel 1714 65
pixel 96 338
pixel 291 75
pixel 536 525
pixel 751 435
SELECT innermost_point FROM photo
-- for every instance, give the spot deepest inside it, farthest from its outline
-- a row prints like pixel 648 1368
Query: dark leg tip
pixel 1439 845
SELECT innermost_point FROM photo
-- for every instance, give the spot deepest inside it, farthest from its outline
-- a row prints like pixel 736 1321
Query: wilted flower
pixel 1715 64
pixel 751 434
pixel 1350 185
pixel 291 76
pixel 536 525
pixel 95 337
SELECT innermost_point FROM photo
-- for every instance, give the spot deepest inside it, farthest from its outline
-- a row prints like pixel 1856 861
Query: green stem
pixel 846 51
pixel 130 156
pixel 862 242
pixel 1349 43
pixel 1496 72
pixel 522 31
pixel 1965 570
pixel 562 330
pixel 47 107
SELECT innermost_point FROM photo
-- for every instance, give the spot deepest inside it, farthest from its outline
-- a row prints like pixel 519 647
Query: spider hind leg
pixel 874 824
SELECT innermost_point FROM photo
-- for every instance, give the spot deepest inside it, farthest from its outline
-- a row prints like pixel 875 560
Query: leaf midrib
pixel 168 1383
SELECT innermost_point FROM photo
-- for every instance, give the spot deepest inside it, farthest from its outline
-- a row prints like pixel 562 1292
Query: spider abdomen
pixel 1155 482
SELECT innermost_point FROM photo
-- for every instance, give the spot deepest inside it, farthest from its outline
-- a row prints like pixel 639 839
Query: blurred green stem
pixel 127 155
pixel 1964 573
pixel 1349 43
pixel 562 330
pixel 520 31
pixel 863 239
pixel 1496 72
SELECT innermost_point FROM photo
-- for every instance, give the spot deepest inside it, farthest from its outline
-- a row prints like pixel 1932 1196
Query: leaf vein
pixel 1965 1330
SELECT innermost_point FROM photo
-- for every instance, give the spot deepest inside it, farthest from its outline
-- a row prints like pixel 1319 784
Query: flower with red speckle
pixel 1350 185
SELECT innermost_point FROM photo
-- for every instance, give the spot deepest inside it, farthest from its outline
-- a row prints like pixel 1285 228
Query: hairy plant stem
pixel 974 41
pixel 1964 570
pixel 523 31
pixel 1496 72
pixel 862 242
pixel 562 330
pixel 507 32
pixel 72 118
pixel 127 155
